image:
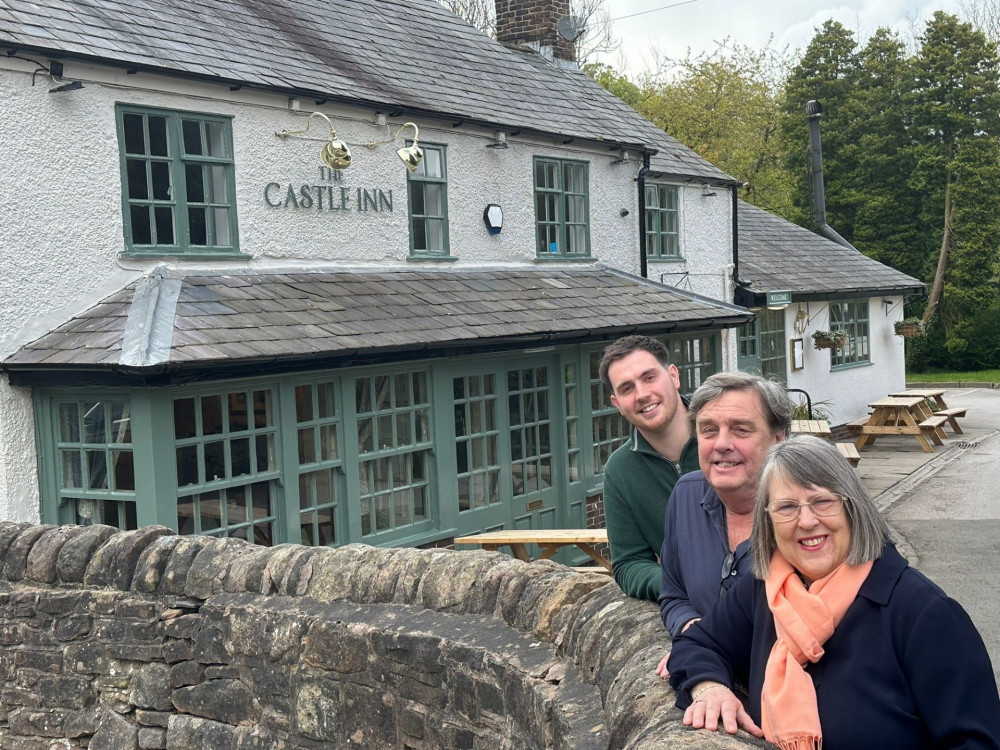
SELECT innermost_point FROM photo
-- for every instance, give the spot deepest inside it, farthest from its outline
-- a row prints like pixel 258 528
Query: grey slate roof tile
pixel 776 255
pixel 361 50
pixel 350 311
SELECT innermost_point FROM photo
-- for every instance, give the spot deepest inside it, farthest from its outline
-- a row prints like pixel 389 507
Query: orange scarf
pixel 804 620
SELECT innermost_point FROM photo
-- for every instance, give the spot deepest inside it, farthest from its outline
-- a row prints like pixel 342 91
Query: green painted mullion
pixel 47 455
pixel 154 455
pixel 287 456
pixel 352 501
pixel 443 455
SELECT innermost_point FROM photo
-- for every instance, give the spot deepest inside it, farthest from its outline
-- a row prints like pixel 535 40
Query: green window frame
pixel 427 192
pixel 662 222
pixel 320 463
pixel 477 436
pixel 562 208
pixel 95 465
pixel 528 392
pixel 696 357
pixel 395 451
pixel 178 182
pixel 851 316
pixel 773 345
pixel 228 475
pixel 609 429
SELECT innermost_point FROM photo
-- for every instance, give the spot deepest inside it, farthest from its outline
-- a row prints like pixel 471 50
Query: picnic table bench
pixel 549 540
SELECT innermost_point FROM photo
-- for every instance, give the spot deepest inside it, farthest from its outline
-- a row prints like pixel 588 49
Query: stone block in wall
pixel 193 733
pixel 9 531
pixel 16 561
pixel 210 567
pixel 115 732
pixel 178 650
pixel 62 602
pixel 75 554
pixel 56 691
pixel 179 624
pixel 72 627
pixel 336 646
pixel 152 739
pixel 146 718
pixel 44 554
pixel 88 658
pixel 152 563
pixel 185 673
pixel 43 660
pixel 114 562
pixel 368 718
pixel 450 579
pixel 270 635
pixel 317 708
pixel 150 687
pixel 247 576
pixel 183 552
pixel 227 701
pixel 35 722
pixel 332 580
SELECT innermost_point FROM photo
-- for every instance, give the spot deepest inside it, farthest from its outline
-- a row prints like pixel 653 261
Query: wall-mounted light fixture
pixel 493 218
pixel 706 191
pixel 779 300
pixel 499 141
pixel 623 159
pixel 411 155
pixel 56 74
pixel 801 320
pixel 335 154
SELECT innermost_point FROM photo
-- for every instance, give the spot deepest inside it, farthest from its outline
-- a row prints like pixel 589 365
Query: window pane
pixel 135 137
pixel 164 225
pixel 158 136
pixel 93 422
pixel 237 412
pixel 124 471
pixel 433 200
pixel 69 423
pixel 194 182
pixel 433 166
pixel 138 179
pixel 217 187
pixel 192 137
pixel 197 226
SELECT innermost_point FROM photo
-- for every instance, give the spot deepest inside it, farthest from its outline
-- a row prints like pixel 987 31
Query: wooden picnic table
pixel 550 541
pixel 938 405
pixel 935 395
pixel 899 415
pixel 817 427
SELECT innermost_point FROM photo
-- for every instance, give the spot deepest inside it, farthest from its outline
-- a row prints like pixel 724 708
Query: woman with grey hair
pixel 843 644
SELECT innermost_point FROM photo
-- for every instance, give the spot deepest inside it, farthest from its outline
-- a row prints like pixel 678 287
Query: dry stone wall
pixel 123 640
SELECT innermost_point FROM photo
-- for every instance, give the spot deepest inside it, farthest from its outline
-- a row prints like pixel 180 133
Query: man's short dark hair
pixel 624 346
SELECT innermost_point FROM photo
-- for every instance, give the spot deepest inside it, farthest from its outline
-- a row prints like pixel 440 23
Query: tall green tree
pixel 956 98
pixel 877 155
pixel 724 106
pixel 826 72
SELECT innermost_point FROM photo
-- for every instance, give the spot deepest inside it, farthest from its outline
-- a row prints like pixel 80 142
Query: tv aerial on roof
pixel 571 28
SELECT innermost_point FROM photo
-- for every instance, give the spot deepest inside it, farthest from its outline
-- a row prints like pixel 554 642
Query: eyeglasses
pixel 824 505
pixel 728 573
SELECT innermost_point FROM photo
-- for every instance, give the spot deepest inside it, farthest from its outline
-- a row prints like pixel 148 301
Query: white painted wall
pixel 60 209
pixel 850 390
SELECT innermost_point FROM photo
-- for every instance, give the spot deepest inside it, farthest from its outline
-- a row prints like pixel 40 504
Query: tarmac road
pixel 948 515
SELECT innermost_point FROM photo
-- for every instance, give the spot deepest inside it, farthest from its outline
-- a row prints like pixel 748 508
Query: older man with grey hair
pixel 736 417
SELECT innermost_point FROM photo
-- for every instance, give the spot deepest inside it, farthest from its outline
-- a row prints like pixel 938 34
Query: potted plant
pixel 829 339
pixel 910 328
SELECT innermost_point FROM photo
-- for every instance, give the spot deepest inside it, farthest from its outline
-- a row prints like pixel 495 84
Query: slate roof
pixel 775 254
pixel 224 320
pixel 407 55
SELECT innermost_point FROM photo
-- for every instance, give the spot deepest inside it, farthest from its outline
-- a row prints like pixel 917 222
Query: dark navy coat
pixel 906 668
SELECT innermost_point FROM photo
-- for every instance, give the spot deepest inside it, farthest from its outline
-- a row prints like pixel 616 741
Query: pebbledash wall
pixel 60 203
pixel 124 640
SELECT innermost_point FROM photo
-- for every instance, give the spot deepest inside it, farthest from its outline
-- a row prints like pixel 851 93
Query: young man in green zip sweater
pixel 640 475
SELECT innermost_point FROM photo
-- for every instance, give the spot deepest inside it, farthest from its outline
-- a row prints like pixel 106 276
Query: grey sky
pixel 792 22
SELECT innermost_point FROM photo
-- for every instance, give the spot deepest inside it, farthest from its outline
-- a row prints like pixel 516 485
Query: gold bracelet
pixel 705 689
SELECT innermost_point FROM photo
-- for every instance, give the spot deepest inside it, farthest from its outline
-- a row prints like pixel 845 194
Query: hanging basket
pixel 829 339
pixel 910 328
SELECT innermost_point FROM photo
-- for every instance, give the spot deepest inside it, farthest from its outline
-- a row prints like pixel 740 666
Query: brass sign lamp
pixel 335 154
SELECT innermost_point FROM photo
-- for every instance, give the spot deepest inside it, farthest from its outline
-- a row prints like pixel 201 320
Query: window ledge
pixel 556 258
pixel 665 259
pixel 431 258
pixel 206 256
pixel 851 366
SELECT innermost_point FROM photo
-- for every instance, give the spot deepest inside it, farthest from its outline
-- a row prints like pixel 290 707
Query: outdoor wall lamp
pixel 801 320
pixel 335 154
pixel 411 155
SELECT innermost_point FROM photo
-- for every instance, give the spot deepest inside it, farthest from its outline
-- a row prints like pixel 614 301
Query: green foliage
pixel 820 409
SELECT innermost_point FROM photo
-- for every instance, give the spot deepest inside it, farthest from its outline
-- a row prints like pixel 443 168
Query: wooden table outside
pixel 550 540
pixel 817 427
pixel 938 405
pixel 936 395
pixel 901 416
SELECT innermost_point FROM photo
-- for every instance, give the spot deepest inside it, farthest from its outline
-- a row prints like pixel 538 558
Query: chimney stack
pixel 532 23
